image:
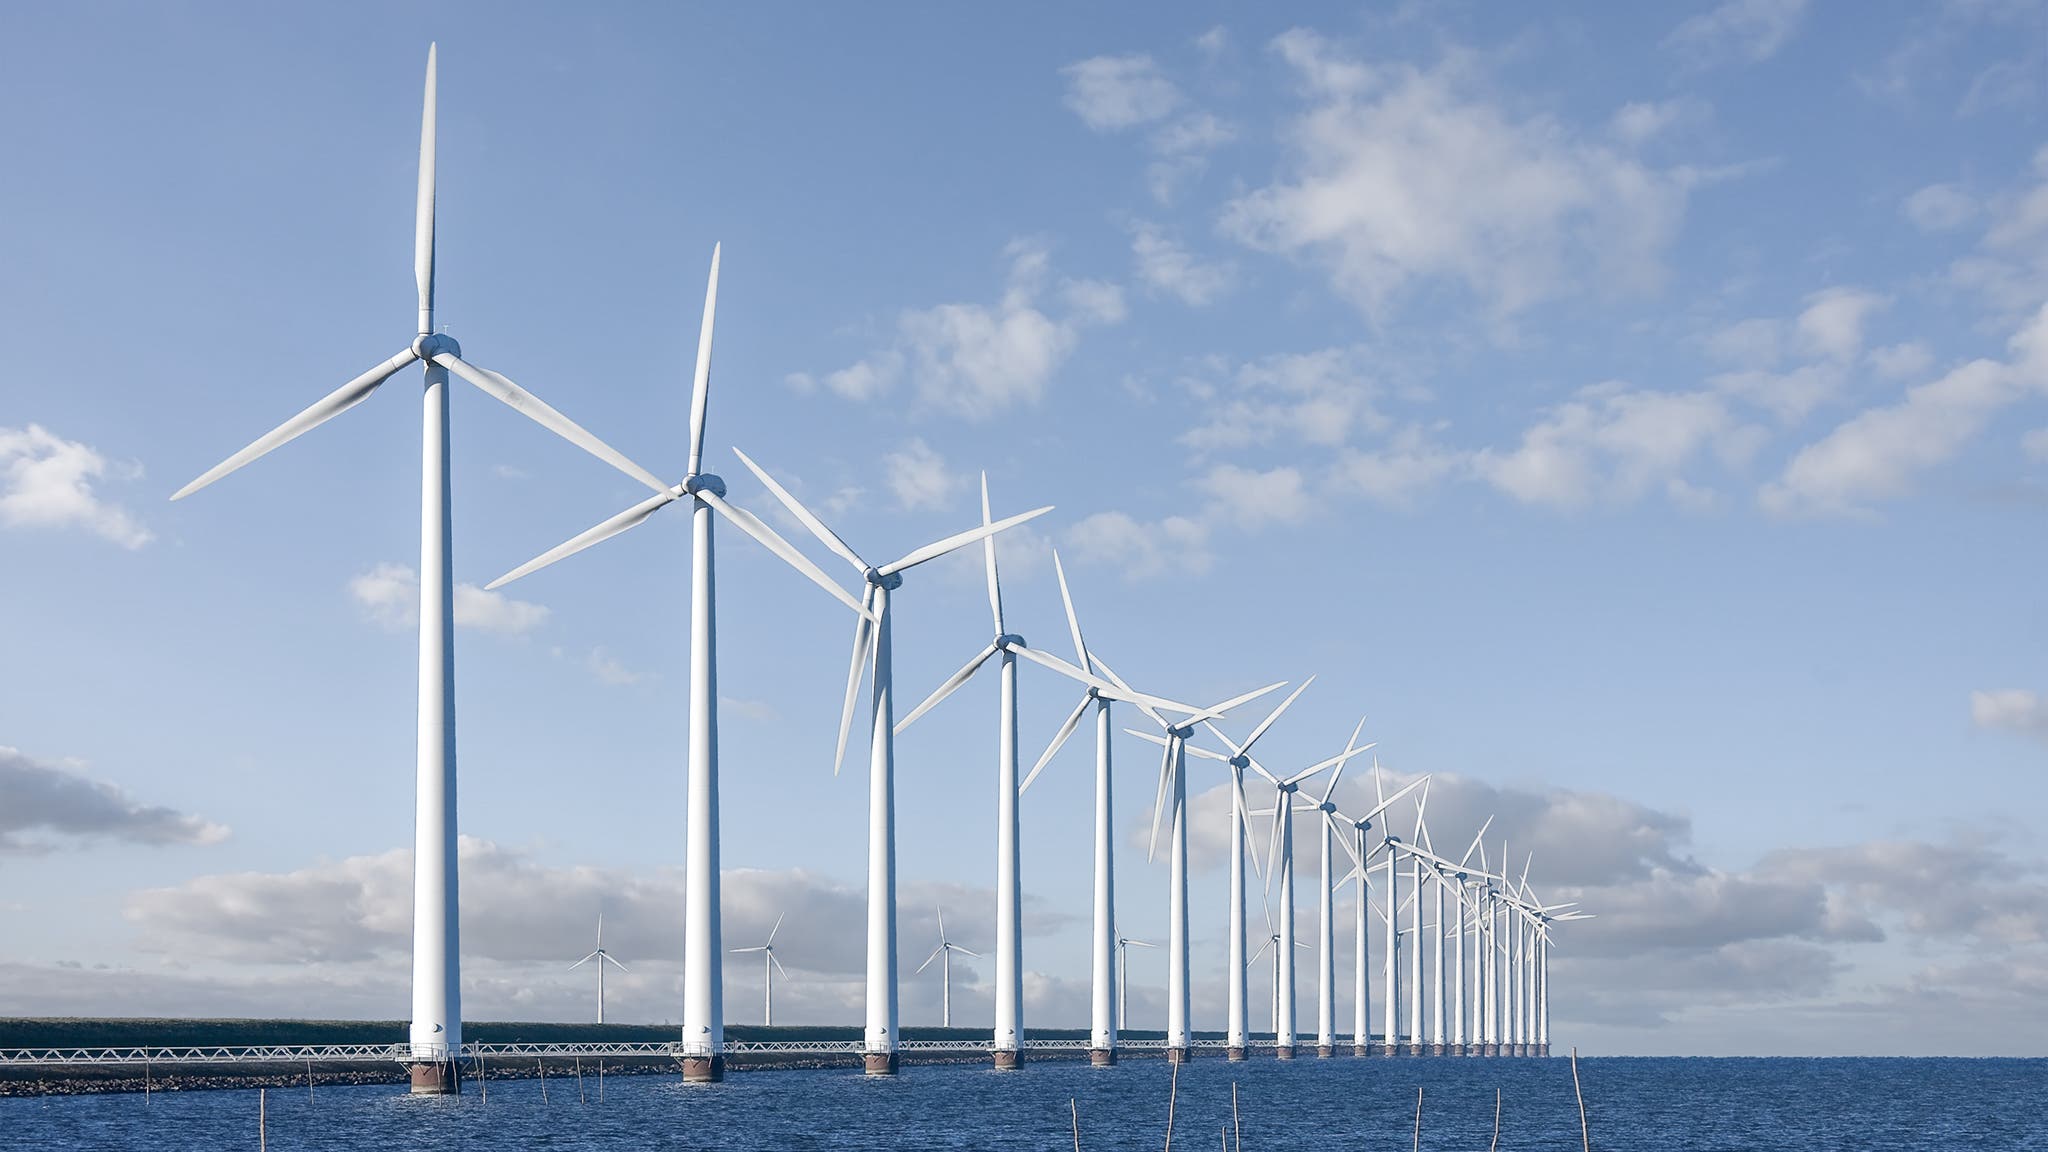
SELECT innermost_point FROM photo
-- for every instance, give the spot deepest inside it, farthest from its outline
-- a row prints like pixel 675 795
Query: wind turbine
pixel 1176 746
pixel 1326 987
pixel 1106 968
pixel 1272 944
pixel 767 951
pixel 1008 1039
pixel 1460 1030
pixel 703 960
pixel 436 1030
pixel 603 958
pixel 874 645
pixel 1123 999
pixel 944 955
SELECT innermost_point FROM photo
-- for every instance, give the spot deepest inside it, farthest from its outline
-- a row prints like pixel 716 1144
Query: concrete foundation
pixel 435 1079
pixel 1179 1055
pixel 1414 1049
pixel 1283 1051
pixel 1361 1050
pixel 1324 1051
pixel 1543 1049
pixel 1102 1057
pixel 1236 1055
pixel 878 1063
pixel 703 1069
pixel 1009 1059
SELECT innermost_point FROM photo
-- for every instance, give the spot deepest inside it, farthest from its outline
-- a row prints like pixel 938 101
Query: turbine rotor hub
pixel 1009 640
pixel 432 344
pixel 705 482
pixel 888 582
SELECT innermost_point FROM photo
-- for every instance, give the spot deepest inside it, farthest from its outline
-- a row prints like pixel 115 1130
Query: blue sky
pixel 1635 412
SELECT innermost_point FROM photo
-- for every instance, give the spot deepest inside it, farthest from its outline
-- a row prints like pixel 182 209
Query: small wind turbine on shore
pixel 944 955
pixel 603 958
pixel 767 951
pixel 1123 970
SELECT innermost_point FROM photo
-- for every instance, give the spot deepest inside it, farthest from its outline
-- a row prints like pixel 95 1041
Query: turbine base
pixel 438 1079
pixel 1414 1049
pixel 1361 1050
pixel 1179 1055
pixel 1283 1051
pixel 1009 1059
pixel 1324 1051
pixel 1543 1049
pixel 1436 1050
pixel 703 1069
pixel 878 1063
pixel 1102 1057
pixel 1235 1054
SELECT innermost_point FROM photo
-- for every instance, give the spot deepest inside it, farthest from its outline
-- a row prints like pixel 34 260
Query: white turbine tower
pixel 875 646
pixel 1237 1033
pixel 767 951
pixel 944 955
pixel 1123 970
pixel 703 968
pixel 1008 1039
pixel 603 958
pixel 436 1031
pixel 1106 961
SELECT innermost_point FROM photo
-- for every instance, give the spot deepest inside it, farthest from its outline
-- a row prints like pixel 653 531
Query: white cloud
pixel 1142 550
pixel 38 800
pixel 918 476
pixel 46 481
pixel 1324 398
pixel 2035 444
pixel 1878 452
pixel 1750 30
pixel 1165 265
pixel 1832 324
pixel 1112 93
pixel 1214 42
pixel 759 711
pixel 975 360
pixel 1401 175
pixel 389 595
pixel 607 668
pixel 1940 207
pixel 2013 709
pixel 1610 442
pixel 1252 498
pixel 2010 267
pixel 1639 122
pixel 1898 361
pixel 1399 471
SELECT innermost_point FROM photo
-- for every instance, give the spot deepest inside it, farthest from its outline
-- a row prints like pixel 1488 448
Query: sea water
pixel 1668 1105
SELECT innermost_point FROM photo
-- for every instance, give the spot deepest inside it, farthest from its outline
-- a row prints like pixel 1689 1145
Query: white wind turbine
pixel 1105 955
pixel 1176 748
pixel 767 951
pixel 1361 856
pixel 874 646
pixel 603 958
pixel 1272 944
pixel 703 970
pixel 944 955
pixel 436 1030
pixel 1008 1037
pixel 1123 969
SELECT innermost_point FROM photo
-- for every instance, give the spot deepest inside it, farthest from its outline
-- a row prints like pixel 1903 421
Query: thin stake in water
pixel 1585 1134
pixel 1496 1122
pixel 262 1119
pixel 538 1063
pixel 580 1098
pixel 1236 1125
pixel 1418 1121
pixel 1076 1110
pixel 309 1079
pixel 1172 1093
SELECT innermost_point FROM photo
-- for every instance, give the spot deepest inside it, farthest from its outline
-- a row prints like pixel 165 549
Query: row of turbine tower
pixel 1504 913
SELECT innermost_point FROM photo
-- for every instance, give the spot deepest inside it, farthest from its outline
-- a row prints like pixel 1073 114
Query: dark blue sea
pixel 1712 1105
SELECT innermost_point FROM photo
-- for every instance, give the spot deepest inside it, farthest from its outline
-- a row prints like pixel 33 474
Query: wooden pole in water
pixel 483 1077
pixel 1585 1134
pixel 600 1080
pixel 309 1079
pixel 580 1098
pixel 1076 1110
pixel 1418 1121
pixel 1496 1122
pixel 1172 1093
pixel 262 1119
pixel 538 1063
pixel 145 1077
pixel 1236 1125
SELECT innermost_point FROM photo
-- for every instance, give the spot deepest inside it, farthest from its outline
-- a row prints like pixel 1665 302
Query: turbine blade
pixel 1218 710
pixel 816 526
pixel 1244 818
pixel 1152 737
pixel 700 384
pixel 1150 712
pixel 960 540
pixel 774 930
pixel 319 412
pixel 537 410
pixel 1275 714
pixel 928 960
pixel 772 540
pixel 952 683
pixel 778 966
pixel 423 208
pixel 605 531
pixel 988 554
pixel 1052 749
pixel 1073 621
pixel 1467 857
pixel 1351 749
pixel 853 676
pixel 615 963
pixel 966 951
pixel 1159 798
pixel 1140 944
pixel 1101 686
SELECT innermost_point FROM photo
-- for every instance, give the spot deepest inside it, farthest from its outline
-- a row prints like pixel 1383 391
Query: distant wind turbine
pixel 767 951
pixel 603 958
pixel 944 955
pixel 1123 971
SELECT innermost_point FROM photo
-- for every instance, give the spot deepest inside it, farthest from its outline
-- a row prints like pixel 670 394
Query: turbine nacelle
pixel 704 482
pixel 433 344
pixel 1009 641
